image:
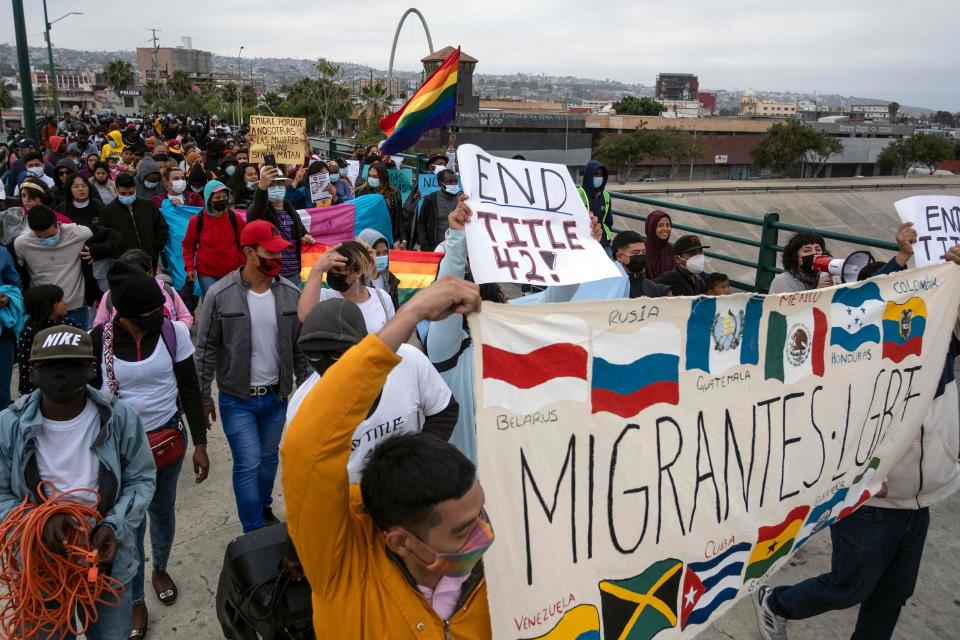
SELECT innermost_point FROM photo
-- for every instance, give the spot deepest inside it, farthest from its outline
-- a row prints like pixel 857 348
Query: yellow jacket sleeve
pixel 315 451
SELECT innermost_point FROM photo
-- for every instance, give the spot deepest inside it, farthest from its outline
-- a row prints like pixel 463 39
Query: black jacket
pixel 141 226
pixel 641 287
pixel 682 285
pixel 398 216
pixel 431 228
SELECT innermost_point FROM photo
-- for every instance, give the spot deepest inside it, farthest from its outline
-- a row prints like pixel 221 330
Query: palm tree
pixel 180 84
pixel 119 75
pixel 6 97
pixel 892 109
pixel 374 101
pixel 154 92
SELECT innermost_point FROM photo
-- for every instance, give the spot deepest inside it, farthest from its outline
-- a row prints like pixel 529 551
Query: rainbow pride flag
pixel 433 105
pixel 414 269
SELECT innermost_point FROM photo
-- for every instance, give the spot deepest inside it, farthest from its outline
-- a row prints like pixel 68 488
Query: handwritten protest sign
pixel 283 137
pixel 631 450
pixel 318 187
pixel 353 171
pixel 402 181
pixel 428 183
pixel 530 224
pixel 937 222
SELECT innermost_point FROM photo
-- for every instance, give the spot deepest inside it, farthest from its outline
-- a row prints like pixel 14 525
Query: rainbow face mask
pixel 458 564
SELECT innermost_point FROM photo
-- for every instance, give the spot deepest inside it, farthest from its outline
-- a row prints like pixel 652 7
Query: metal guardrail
pixel 767 247
pixel 339 148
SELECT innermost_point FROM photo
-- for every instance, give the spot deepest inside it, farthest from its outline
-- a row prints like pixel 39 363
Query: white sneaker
pixel 771 626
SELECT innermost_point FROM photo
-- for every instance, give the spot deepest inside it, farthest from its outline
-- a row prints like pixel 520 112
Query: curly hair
pixel 798 240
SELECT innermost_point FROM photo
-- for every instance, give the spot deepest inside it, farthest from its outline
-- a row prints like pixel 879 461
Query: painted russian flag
pixel 528 366
pixel 634 371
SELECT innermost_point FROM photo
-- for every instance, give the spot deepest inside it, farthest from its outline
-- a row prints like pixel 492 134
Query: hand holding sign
pixel 937 223
pixel 318 186
pixel 533 227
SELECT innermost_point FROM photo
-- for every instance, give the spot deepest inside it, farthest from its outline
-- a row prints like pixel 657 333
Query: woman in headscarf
pixel 657 241
pixel 89 166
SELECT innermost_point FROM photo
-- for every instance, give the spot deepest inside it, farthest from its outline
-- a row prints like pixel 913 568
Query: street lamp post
pixel 239 92
pixel 52 80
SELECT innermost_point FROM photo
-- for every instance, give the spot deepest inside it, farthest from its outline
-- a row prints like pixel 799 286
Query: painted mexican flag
pixel 795 345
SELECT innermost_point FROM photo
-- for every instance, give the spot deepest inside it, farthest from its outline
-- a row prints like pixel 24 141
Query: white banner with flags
pixel 647 462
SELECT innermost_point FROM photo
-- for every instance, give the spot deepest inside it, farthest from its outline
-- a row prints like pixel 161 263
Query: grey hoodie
pixel 147 166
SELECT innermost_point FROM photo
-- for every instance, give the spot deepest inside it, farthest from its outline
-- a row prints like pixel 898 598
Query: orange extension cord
pixel 42 592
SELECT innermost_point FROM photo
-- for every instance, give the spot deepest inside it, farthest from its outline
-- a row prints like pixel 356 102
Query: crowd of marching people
pixel 121 376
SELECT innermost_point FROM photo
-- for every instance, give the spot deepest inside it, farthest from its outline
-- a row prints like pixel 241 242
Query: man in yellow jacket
pixel 398 555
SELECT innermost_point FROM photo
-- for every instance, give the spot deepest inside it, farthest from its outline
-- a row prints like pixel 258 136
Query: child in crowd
pixel 718 284
pixel 45 307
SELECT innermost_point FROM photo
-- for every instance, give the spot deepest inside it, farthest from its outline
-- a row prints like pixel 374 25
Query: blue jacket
pixel 127 472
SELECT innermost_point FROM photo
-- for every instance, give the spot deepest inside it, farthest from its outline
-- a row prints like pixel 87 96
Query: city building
pixel 870 111
pixel 682 109
pixel 396 88
pixel 754 106
pixel 162 62
pixel 466 101
pixel 708 102
pixel 677 86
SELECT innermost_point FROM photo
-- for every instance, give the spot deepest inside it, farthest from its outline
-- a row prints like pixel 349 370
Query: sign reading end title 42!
pixel 283 137
pixel 530 224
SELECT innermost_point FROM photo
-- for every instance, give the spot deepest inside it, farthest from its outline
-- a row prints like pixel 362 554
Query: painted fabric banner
pixel 647 462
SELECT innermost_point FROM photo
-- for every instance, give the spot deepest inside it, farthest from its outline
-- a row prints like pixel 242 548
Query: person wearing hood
pixel 211 245
pixel 629 250
pixel 61 172
pixel 432 222
pixel 102 182
pixel 149 180
pixel 383 279
pixel 56 149
pixel 137 220
pixel 113 146
pixel 89 165
pixel 660 253
pixel 597 200
pixel 228 167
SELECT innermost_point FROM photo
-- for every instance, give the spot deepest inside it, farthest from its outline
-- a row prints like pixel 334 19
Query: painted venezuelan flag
pixel 432 106
pixel 580 623
pixel 903 326
pixel 415 270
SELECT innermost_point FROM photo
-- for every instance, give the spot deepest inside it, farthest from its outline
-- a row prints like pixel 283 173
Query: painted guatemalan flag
pixel 707 585
pixel 524 379
pixel 433 105
pixel 903 326
pixel 632 371
pixel 855 316
pixel 723 332
pixel 795 345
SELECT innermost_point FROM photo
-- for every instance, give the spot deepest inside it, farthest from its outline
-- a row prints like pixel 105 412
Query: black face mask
pixel 150 323
pixel 324 360
pixel 218 205
pixel 637 263
pixel 337 281
pixel 62 382
pixel 806 263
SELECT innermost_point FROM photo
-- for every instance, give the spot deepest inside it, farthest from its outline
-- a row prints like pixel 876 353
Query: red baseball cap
pixel 263 234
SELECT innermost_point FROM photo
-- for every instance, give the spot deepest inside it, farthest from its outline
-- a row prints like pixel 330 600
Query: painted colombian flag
pixel 636 370
pixel 903 326
pixel 433 105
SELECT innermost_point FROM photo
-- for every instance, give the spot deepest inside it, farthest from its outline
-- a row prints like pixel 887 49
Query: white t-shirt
pixel 64 454
pixel 264 356
pixel 150 386
pixel 377 309
pixel 412 386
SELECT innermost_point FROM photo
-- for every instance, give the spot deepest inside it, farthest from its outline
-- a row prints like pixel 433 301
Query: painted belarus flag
pixel 632 371
pixel 855 314
pixel 773 543
pixel 707 585
pixel 723 332
pixel 528 366
pixel 795 345
pixel 860 489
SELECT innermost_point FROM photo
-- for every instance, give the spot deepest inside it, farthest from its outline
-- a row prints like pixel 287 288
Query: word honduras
pixel 652 504
pixel 937 222
pixel 533 227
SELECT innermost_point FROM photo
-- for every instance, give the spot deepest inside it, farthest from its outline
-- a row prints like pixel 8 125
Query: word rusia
pixel 650 500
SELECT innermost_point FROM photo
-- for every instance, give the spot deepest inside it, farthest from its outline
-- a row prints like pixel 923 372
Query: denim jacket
pixel 127 477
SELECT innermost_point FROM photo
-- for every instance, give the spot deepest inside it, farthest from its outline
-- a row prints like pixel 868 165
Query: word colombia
pixel 646 505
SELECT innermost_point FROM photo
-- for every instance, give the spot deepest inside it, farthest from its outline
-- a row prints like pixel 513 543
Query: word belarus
pixel 653 465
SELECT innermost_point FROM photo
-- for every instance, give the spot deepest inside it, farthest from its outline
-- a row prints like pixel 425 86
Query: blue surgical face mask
pixel 251 184
pixel 149 184
pixel 597 182
pixel 452 189
pixel 382 263
pixel 276 193
pixel 51 241
pixel 230 170
pixel 127 200
pixel 334 177
pixel 373 183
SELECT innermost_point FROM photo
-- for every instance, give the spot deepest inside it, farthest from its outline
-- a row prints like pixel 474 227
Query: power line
pixel 155 64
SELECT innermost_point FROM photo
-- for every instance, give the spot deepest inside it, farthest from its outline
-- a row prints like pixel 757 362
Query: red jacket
pixel 190 199
pixel 219 246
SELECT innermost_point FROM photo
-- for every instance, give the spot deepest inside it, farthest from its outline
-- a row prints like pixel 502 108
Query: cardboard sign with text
pixel 285 138
pixel 529 225
pixel 937 222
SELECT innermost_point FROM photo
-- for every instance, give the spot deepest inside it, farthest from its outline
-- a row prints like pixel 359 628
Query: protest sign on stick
pixel 285 138
pixel 318 186
pixel 530 224
pixel 936 220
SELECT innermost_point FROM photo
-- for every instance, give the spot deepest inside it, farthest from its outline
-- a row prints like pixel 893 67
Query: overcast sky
pixel 892 50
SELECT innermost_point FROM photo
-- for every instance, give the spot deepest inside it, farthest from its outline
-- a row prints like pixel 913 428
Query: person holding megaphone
pixel 798 268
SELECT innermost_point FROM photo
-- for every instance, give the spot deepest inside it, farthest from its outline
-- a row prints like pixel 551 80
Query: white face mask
pixel 179 186
pixel 697 263
pixel 36 172
pixel 149 184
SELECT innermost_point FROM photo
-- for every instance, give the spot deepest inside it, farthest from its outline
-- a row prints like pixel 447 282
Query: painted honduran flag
pixel 855 316
pixel 795 345
pixel 528 366
pixel 636 370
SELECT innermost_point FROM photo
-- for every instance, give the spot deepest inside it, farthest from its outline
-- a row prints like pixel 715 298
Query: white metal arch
pixel 396 36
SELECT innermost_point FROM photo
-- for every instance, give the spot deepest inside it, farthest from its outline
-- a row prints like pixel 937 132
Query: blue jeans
pixel 163 524
pixel 253 428
pixel 113 623
pixel 876 558
pixel 206 282
pixel 81 316
pixel 8 347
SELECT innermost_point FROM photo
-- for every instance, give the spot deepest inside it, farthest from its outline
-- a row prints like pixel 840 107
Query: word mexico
pixel 653 472
pixel 534 227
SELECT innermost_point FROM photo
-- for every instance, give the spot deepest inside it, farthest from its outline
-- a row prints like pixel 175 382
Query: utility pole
pixel 155 63
pixel 239 91
pixel 52 78
pixel 23 62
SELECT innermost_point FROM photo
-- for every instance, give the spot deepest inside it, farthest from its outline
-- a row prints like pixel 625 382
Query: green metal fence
pixel 767 247
pixel 335 149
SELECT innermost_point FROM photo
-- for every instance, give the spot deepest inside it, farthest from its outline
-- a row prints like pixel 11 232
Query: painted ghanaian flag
pixel 774 542
pixel 415 269
pixel 433 105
